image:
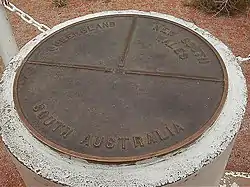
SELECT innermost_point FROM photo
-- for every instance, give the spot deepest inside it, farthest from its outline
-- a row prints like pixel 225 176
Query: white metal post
pixel 8 46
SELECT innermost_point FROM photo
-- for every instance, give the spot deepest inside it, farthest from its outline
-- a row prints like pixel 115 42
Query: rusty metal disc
pixel 120 88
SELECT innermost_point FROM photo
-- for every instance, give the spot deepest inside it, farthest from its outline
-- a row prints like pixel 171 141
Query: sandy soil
pixel 233 31
pixel 9 177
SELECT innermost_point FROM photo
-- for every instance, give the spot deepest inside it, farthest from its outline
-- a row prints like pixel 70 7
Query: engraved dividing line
pixel 162 74
pixel 87 67
pixel 132 72
pixel 128 42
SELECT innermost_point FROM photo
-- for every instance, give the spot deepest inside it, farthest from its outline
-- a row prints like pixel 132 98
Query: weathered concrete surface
pixel 236 179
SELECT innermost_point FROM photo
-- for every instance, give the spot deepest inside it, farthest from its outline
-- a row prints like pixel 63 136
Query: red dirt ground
pixel 9 177
pixel 233 31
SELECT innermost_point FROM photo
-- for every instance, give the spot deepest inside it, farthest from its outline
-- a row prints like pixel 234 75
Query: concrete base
pixel 30 178
pixel 235 179
pixel 210 175
pixel 200 164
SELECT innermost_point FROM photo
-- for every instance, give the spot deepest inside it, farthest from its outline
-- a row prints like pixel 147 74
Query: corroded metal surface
pixel 120 88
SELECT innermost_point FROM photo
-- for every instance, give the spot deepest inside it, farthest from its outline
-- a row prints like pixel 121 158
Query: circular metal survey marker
pixel 120 88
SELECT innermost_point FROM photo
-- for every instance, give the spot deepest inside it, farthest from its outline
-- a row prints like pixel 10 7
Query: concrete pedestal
pixel 210 175
pixel 200 164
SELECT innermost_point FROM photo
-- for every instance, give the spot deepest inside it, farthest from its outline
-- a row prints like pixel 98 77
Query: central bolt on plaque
pixel 120 88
